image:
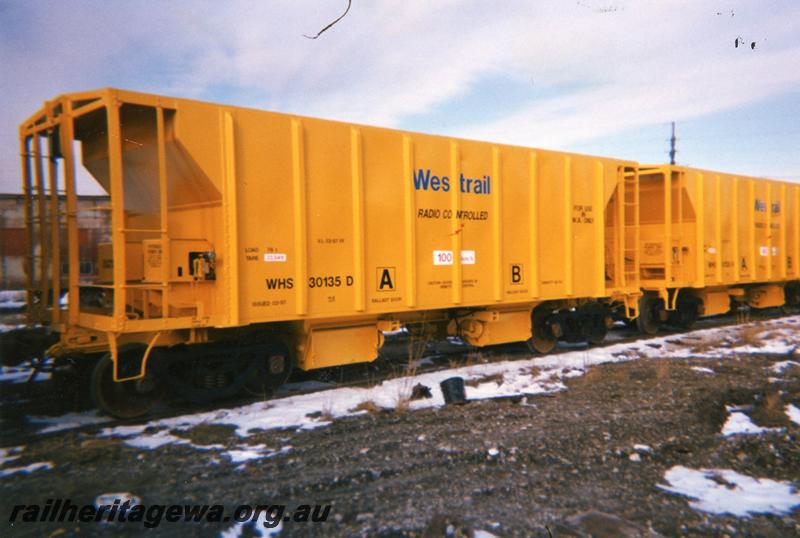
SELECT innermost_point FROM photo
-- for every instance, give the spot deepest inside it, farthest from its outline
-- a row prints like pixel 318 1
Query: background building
pixel 93 228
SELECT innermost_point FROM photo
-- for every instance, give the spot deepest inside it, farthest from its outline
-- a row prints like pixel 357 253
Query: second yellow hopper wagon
pixel 709 237
pixel 245 242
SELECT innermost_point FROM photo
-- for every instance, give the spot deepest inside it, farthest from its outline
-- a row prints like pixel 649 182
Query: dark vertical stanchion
pixel 25 162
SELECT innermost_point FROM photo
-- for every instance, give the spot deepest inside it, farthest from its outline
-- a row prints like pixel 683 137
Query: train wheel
pixel 209 378
pixel 792 294
pixel 128 399
pixel 72 377
pixel 685 313
pixel 542 339
pixel 649 319
pixel 272 370
pixel 592 318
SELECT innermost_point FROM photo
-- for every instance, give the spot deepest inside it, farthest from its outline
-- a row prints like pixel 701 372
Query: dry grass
pixel 470 359
pixel 326 412
pixel 498 378
pixel 475 357
pixel 769 411
pixel 417 346
pixel 750 335
pixel 415 351
pixel 454 363
pixel 369 406
pixel 556 378
pixel 402 405
pixel 743 316
pixel 663 368
pixel 704 346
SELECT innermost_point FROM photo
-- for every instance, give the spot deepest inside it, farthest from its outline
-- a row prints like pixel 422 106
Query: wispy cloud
pixel 624 64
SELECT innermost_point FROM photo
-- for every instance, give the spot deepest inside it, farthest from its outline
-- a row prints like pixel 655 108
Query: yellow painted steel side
pixel 782 269
pixel 230 197
pixel 163 190
pixel 116 181
pixel 795 265
pixel 734 233
pixel 409 234
pixel 567 227
pixel 455 226
pixel 497 228
pixel 442 240
pixel 533 224
pixel 717 229
pixel 307 219
pixel 358 219
pixel 599 225
pixel 700 230
pixel 300 215
pixel 73 265
pixel 754 213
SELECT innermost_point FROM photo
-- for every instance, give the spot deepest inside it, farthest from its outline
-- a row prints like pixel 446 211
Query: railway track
pixel 22 405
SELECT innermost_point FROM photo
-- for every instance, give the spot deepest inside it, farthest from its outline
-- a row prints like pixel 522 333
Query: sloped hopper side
pixel 192 200
pixel 186 182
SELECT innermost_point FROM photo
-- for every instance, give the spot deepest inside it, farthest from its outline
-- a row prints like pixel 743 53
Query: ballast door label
pixel 445 257
pixel 468 257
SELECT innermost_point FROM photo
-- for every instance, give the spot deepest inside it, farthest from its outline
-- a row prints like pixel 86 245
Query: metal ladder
pixel 630 200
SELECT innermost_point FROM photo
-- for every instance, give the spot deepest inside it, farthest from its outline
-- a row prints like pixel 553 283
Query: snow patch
pixel 214 446
pixel 107 499
pixel 703 369
pixel 68 421
pixel 779 367
pixel 239 456
pixel 255 452
pixel 12 299
pixel 21 373
pixel 10 453
pixel 38 466
pixel 739 423
pixel 723 491
pixel 155 440
pixel 793 413
pixel 503 379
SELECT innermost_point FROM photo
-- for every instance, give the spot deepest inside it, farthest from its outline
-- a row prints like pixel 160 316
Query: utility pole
pixel 672 146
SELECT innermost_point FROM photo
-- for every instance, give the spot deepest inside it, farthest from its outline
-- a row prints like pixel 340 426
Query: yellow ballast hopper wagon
pixel 245 243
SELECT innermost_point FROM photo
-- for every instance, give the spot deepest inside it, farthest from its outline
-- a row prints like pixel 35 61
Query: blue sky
pixel 762 138
pixel 600 77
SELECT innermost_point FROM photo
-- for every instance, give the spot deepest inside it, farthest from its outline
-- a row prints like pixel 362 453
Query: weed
pixel 750 335
pixel 498 378
pixel 326 412
pixel 369 406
